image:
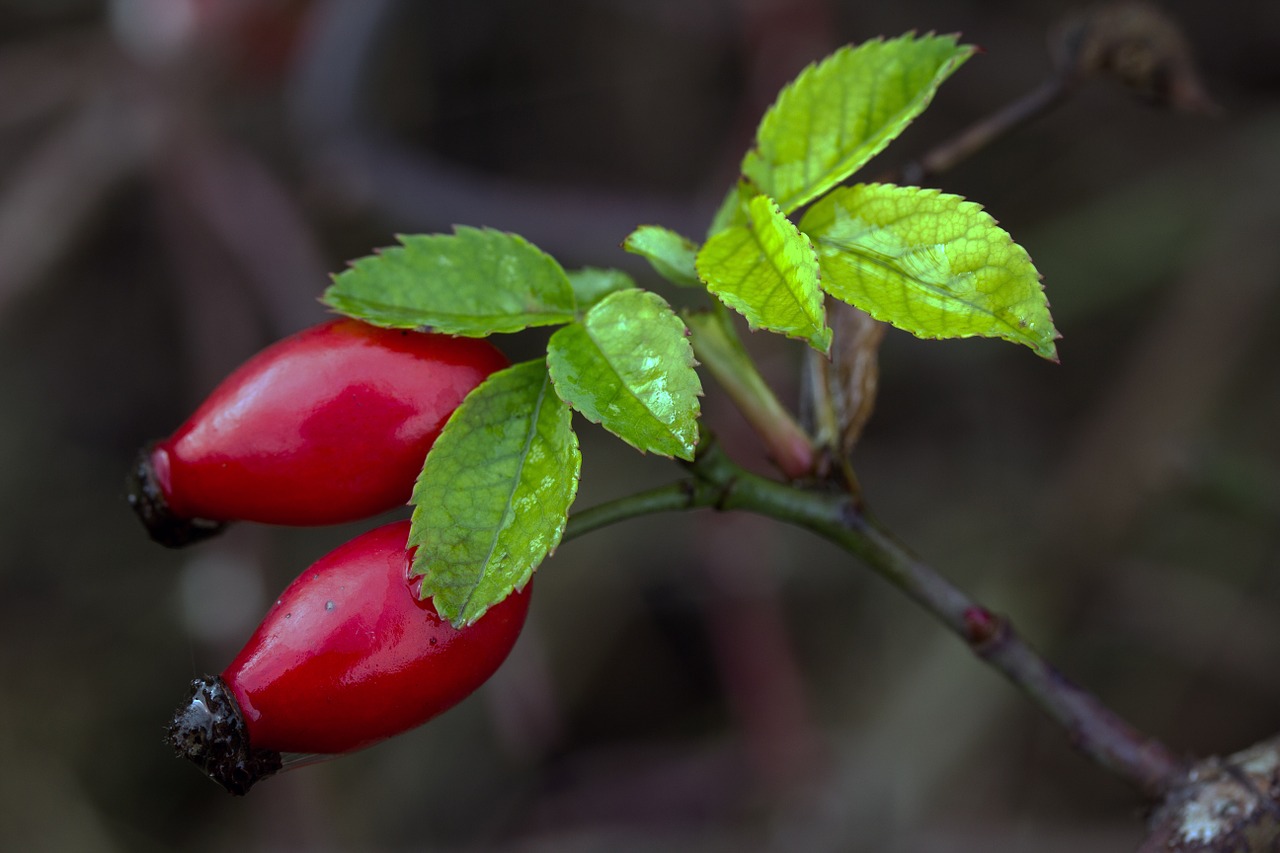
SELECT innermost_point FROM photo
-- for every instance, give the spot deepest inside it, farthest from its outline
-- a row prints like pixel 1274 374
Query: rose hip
pixel 347 656
pixel 329 425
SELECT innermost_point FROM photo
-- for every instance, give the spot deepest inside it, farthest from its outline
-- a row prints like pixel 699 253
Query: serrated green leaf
pixel 472 283
pixel 669 253
pixel 841 112
pixel 591 284
pixel 628 366
pixel 768 272
pixel 930 263
pixel 493 497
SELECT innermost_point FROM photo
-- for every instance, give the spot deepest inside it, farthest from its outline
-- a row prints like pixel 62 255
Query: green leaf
pixel 841 112
pixel 930 263
pixel 473 283
pixel 591 284
pixel 628 366
pixel 768 272
pixel 669 253
pixel 493 497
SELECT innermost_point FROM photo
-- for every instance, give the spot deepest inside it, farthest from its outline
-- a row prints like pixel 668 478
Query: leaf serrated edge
pixel 658 262
pixel 418 567
pixel 343 303
pixel 821 330
pixel 1049 354
pixel 691 363
pixel 944 71
pixel 508 510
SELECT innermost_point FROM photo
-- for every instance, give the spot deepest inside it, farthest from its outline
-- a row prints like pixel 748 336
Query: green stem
pixel 718 347
pixel 685 494
pixel 1092 727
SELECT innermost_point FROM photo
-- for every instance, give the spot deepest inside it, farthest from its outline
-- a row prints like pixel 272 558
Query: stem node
pixel 983 628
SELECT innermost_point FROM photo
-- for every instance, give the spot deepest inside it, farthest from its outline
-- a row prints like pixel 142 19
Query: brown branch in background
pixel 1132 43
pixel 978 136
pixel 1136 44
pixel 59 191
pixel 1161 398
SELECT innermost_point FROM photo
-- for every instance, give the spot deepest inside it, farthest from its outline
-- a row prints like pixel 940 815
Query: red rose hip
pixel 329 425
pixel 347 656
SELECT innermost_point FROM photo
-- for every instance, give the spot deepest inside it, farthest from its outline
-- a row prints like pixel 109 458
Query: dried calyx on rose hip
pixel 348 656
pixel 327 426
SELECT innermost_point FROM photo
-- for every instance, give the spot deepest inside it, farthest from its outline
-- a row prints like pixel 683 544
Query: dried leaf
pixel 840 393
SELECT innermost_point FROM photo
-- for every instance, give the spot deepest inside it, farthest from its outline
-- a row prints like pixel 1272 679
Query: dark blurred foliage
pixel 177 177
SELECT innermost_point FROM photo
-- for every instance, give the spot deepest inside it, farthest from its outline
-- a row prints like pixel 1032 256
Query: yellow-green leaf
pixel 841 112
pixel 671 255
pixel 767 271
pixel 628 366
pixel 930 263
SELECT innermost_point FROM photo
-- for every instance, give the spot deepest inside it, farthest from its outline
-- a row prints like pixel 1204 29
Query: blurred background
pixel 179 177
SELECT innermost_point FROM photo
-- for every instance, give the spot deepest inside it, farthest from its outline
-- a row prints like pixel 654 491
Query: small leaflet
pixel 768 271
pixel 494 495
pixel 840 112
pixel 628 366
pixel 672 256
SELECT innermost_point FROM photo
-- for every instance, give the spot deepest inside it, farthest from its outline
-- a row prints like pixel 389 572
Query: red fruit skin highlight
pixel 347 656
pixel 329 425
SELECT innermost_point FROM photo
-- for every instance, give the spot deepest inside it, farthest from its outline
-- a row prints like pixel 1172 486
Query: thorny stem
pixel 1092 728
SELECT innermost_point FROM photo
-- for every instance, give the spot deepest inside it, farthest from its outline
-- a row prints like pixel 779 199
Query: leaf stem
pixel 1092 728
pixel 720 350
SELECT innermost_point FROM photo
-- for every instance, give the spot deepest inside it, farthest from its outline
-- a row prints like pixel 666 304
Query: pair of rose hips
pixel 327 426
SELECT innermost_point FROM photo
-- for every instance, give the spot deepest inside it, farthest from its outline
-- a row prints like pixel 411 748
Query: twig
pixel 982 133
pixel 1093 728
pixel 676 496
